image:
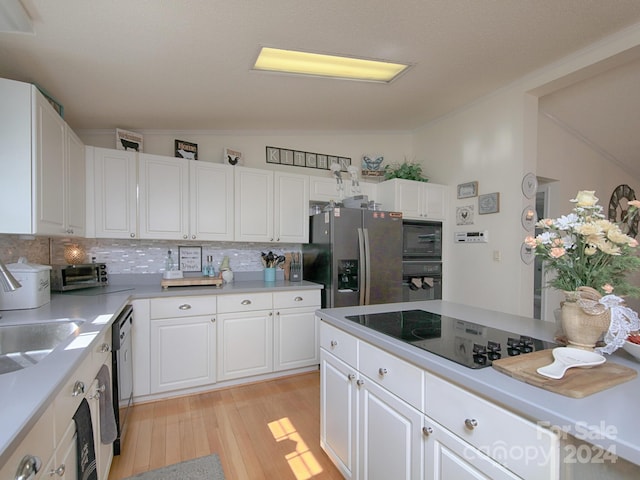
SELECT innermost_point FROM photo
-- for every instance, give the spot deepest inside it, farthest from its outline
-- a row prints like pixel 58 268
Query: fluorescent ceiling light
pixel 334 66
pixel 14 18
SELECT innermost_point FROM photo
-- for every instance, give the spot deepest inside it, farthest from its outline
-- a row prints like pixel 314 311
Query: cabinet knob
pixel 185 237
pixel 351 376
pixel 382 371
pixel 298 299
pixel 105 347
pixel 193 237
pixel 58 471
pixel 78 389
pixel 334 343
pixel 470 423
pixel 271 239
pixel 427 431
pixel 132 235
pixel 245 302
pixel 28 467
pixel 278 239
pixel 213 319
pixel 360 382
pixel 185 306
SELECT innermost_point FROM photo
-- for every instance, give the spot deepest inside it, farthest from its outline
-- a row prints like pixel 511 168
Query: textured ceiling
pixel 184 65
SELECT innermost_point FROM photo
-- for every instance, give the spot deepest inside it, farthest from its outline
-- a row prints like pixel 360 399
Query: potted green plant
pixel 405 171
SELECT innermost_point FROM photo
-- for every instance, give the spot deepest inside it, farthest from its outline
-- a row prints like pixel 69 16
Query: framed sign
pixel 190 259
pixel 467 190
pixel 489 203
pixel 186 150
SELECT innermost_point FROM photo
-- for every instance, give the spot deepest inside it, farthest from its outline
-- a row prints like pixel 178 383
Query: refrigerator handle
pixel 367 271
pixel 362 270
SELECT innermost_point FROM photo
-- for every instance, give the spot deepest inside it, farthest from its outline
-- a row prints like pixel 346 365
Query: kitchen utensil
pixel 567 357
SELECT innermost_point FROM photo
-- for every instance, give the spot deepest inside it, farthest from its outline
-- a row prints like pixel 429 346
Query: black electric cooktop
pixel 466 343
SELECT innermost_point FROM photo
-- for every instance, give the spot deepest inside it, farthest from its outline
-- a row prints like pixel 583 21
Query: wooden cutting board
pixel 576 383
pixel 190 282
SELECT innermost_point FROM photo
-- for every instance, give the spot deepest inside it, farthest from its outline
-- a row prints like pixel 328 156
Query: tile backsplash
pixel 136 256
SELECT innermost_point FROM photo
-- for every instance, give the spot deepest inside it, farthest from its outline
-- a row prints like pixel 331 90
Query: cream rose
pixel 586 198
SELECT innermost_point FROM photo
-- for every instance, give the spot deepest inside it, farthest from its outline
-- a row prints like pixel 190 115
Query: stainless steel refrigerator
pixel 357 255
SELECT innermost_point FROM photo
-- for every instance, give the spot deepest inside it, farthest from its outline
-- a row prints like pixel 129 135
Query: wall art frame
pixel 126 140
pixel 184 149
pixel 468 190
pixel 301 158
pixel 489 203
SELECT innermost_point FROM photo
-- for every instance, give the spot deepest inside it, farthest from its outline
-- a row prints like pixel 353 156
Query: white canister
pixel 36 287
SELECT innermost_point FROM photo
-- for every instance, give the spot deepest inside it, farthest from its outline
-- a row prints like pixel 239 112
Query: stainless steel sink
pixel 22 346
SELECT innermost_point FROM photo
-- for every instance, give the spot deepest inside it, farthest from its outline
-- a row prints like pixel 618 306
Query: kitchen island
pixel 597 435
pixel 30 393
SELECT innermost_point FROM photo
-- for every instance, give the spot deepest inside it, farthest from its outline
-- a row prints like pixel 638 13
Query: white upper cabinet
pixel 325 189
pixel 211 201
pixel 43 180
pixel 115 187
pixel 416 200
pixel 271 206
pixel 163 188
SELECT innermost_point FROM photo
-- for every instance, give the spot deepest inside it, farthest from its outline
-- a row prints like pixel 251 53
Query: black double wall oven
pixel 421 260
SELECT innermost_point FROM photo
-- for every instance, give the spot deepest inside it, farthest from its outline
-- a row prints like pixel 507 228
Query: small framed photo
pixel 321 162
pixel 186 150
pixel 311 160
pixel 190 259
pixel 467 190
pixel 286 157
pixel 489 203
pixel 232 157
pixel 126 140
pixel 273 155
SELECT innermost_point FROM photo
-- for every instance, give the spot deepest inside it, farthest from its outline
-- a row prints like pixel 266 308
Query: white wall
pixel 572 165
pixel 393 146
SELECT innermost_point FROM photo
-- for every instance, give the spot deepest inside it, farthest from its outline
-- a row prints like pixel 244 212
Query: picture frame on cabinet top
pixel 311 160
pixel 321 162
pixel 186 150
pixel 232 157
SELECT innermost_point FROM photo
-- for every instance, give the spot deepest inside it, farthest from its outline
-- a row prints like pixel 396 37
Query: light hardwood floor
pixel 267 430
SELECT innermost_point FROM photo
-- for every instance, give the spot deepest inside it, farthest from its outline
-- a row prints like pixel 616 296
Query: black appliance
pixel 357 255
pixel 421 239
pixel 469 344
pixel 421 261
pixel 122 372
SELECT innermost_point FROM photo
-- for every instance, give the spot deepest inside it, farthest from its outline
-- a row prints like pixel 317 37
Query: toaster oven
pixel 73 277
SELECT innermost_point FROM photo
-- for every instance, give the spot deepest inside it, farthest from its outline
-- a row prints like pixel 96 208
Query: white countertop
pixel 607 418
pixel 25 394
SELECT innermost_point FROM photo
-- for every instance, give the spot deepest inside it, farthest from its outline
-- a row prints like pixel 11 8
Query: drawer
pixel 244 302
pixel 182 306
pixel 494 430
pixel 101 352
pixel 339 343
pixel 399 377
pixel 68 399
pixel 298 298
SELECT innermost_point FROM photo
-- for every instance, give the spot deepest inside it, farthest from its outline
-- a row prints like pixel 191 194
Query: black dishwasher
pixel 122 363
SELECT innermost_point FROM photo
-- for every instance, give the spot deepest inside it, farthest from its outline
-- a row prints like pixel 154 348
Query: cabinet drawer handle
pixel 334 343
pixel 185 306
pixel 105 347
pixel 427 431
pixel 58 471
pixel 470 423
pixel 360 382
pixel 382 371
pixel 245 302
pixel 298 299
pixel 78 389
pixel 28 467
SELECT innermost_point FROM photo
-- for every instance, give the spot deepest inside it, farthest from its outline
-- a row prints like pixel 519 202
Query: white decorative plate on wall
pixel 529 185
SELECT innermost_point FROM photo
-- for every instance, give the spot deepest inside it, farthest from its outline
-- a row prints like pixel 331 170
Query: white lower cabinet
pixel 390 440
pixel 183 342
pixel 375 425
pixel 338 413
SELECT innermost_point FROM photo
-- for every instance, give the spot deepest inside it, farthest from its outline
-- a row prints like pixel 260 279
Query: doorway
pixel 538 271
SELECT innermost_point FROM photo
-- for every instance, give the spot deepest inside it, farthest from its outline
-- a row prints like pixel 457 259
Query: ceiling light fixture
pixel 14 18
pixel 322 65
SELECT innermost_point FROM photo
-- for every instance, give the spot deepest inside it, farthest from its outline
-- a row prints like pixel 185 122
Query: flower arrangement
pixel 586 249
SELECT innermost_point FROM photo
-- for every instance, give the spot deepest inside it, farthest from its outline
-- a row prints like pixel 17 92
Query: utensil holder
pixel 270 274
pixel 295 272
